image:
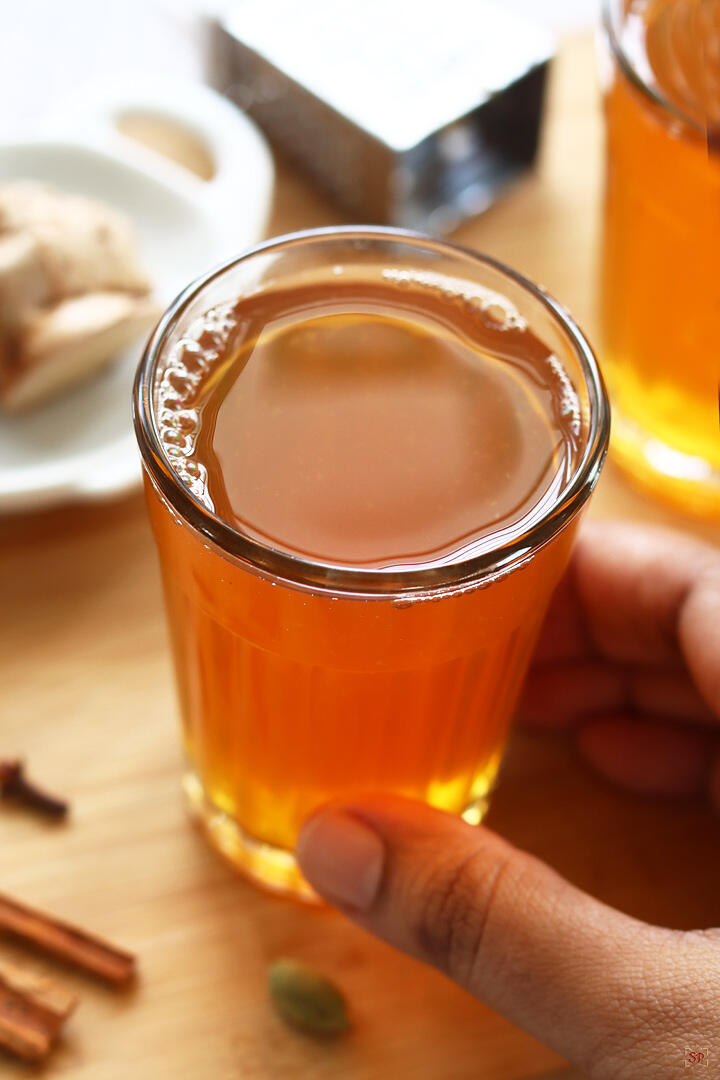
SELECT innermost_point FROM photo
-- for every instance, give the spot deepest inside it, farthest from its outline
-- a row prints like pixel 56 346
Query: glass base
pixel 272 868
pixel 687 482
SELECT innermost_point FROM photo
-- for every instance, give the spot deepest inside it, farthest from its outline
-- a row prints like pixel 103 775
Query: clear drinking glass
pixel 299 680
pixel 661 271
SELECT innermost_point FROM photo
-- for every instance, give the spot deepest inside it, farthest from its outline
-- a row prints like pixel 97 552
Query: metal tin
pixel 407 113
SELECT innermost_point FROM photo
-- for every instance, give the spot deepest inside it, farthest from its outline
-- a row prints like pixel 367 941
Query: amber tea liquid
pixel 395 426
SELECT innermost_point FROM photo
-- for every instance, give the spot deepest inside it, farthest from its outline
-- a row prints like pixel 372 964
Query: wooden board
pixel 86 695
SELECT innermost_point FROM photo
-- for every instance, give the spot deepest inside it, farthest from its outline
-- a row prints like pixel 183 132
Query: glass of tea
pixel 366 453
pixel 661 275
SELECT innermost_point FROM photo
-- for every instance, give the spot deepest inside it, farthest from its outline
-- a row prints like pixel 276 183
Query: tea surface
pixel 382 428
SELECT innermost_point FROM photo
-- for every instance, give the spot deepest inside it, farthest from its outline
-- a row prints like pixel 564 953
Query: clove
pixel 14 785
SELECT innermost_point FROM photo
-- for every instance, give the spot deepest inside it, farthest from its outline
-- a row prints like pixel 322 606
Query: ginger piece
pixel 72 292
pixel 63 344
pixel 81 244
pixel 24 282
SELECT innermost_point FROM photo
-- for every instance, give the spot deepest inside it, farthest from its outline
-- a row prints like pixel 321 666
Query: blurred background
pixel 80 39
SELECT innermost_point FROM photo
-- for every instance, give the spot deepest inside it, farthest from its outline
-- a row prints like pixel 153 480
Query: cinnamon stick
pixel 70 943
pixel 33 1009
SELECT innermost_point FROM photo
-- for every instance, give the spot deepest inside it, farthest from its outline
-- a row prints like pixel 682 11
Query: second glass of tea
pixel 661 267
pixel 366 453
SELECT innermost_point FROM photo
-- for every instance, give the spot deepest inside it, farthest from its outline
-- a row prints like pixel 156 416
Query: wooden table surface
pixel 86 695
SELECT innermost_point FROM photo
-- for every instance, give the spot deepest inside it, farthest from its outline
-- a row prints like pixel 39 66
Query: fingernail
pixel 342 858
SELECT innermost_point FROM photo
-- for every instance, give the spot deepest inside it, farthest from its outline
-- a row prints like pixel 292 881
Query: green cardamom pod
pixel 306 999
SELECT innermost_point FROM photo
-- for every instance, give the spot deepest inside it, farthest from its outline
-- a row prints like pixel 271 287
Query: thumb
pixel 616 996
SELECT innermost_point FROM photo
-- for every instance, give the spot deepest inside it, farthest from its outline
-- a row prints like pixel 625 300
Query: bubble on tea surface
pixel 474 298
pixel 190 362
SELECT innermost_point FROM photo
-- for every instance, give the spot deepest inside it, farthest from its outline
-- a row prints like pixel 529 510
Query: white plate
pixel 81 446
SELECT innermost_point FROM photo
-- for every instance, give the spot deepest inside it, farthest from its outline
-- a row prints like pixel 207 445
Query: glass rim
pixel 301 571
pixel 611 18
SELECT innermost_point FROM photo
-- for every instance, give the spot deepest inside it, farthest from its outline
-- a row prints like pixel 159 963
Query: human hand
pixel 629 660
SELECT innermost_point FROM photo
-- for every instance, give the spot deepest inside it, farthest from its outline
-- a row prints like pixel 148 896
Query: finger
pixel 564 635
pixel 559 695
pixel 649 756
pixel 714 782
pixel 629 583
pixel 699 634
pixel 587 980
pixel 562 694
pixel 672 695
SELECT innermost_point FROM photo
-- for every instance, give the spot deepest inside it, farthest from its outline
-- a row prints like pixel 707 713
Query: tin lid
pixel 398 70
